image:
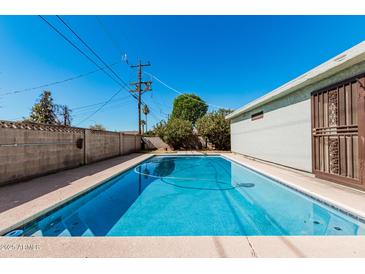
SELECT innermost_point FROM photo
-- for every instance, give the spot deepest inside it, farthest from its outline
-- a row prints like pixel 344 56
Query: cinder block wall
pixel 30 150
pixel 101 145
pixel 25 152
pixel 129 143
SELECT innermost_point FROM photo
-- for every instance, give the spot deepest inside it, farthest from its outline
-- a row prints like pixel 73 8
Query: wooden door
pixel 338 124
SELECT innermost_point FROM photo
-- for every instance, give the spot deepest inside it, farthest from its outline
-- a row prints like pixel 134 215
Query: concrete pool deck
pixel 22 202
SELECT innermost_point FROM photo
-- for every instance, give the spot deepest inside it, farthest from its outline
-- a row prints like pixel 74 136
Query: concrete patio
pixel 22 202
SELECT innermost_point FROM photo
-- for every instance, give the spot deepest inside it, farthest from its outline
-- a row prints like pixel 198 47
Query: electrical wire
pixel 112 106
pixel 81 108
pixel 103 105
pixel 153 114
pixel 92 51
pixel 97 56
pixel 176 91
pixel 91 60
pixel 114 42
pixel 77 48
pixel 109 35
pixel 158 105
pixel 119 50
pixel 54 83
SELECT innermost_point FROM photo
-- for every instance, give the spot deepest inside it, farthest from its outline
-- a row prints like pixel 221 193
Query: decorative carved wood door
pixel 338 124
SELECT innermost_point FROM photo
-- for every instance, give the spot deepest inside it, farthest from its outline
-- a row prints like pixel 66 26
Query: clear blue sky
pixel 227 60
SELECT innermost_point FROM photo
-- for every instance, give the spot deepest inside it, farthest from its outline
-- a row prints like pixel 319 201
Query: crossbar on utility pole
pixel 138 88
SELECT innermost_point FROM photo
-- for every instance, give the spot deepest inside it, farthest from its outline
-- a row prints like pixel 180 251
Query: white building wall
pixel 282 136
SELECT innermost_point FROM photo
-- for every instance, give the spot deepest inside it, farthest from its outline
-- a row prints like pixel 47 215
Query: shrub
pixel 157 130
pixel 97 127
pixel 177 133
pixel 215 128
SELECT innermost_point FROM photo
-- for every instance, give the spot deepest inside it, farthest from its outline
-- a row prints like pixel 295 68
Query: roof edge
pixel 342 61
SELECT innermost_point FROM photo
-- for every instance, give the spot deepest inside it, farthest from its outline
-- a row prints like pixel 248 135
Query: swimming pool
pixel 192 196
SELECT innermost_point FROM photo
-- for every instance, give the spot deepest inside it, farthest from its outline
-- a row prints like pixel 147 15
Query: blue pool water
pixel 195 195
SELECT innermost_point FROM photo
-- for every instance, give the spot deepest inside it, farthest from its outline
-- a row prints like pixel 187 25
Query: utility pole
pixel 140 88
pixel 65 113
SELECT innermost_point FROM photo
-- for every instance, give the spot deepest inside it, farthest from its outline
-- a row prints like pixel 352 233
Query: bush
pixel 177 133
pixel 157 130
pixel 97 127
pixel 215 128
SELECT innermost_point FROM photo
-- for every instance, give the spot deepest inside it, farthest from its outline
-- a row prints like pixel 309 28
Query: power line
pixel 95 54
pixel 161 103
pixel 176 91
pixel 111 106
pixel 112 39
pixel 154 114
pixel 109 35
pixel 96 111
pixel 91 60
pixel 92 51
pixel 54 83
pixel 118 48
pixel 77 48
pixel 95 104
pixel 90 108
pixel 115 44
pixel 158 105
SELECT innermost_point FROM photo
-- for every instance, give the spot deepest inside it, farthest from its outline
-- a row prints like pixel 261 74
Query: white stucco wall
pixel 282 136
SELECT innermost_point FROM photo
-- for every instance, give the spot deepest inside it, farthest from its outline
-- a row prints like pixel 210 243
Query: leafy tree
pixel 44 111
pixel 189 107
pixel 177 132
pixel 97 127
pixel 215 128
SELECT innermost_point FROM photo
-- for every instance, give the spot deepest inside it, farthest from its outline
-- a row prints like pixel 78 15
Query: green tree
pixel 177 132
pixel 189 107
pixel 97 127
pixel 44 111
pixel 215 128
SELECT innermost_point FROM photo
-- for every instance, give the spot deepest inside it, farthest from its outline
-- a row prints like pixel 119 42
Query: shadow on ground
pixel 13 195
